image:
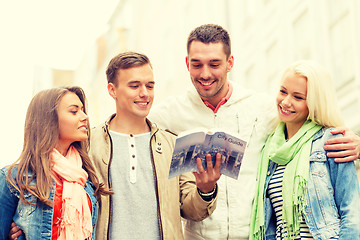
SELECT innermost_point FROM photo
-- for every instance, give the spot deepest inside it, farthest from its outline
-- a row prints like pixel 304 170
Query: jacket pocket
pixel 318 167
pixel 26 209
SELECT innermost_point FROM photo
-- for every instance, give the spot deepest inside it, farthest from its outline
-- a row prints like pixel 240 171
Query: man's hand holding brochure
pixel 196 143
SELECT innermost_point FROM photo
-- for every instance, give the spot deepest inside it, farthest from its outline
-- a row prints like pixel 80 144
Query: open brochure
pixel 196 143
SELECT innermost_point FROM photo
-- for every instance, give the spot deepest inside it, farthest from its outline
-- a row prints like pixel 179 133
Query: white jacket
pixel 252 116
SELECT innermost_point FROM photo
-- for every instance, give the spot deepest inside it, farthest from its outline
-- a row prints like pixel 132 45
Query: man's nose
pixel 205 73
pixel 144 91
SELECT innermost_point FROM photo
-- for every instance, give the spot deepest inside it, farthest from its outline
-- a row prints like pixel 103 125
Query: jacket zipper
pixel 109 182
pixel 156 189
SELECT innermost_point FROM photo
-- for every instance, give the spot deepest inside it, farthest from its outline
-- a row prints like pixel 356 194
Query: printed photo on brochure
pixel 192 144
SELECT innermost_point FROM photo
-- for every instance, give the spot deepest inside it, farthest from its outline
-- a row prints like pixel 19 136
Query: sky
pixel 49 33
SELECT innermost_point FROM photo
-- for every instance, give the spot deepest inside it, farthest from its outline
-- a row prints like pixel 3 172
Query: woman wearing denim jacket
pixel 303 194
pixel 50 192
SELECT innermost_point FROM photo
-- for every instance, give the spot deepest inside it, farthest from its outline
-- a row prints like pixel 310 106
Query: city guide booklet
pixel 198 142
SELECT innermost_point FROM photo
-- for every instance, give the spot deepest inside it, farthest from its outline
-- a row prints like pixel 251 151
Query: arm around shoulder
pixel 347 146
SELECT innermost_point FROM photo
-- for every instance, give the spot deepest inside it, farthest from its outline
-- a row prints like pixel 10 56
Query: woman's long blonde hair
pixel 41 134
pixel 321 93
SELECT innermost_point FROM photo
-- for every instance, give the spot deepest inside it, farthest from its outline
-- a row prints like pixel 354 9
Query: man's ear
pixel 112 90
pixel 187 63
pixel 230 63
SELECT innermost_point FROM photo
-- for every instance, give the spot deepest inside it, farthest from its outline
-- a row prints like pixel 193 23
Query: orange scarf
pixel 76 216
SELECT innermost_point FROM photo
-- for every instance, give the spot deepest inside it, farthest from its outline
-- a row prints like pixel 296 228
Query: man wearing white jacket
pixel 218 103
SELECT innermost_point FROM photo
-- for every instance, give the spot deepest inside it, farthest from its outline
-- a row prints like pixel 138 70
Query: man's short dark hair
pixel 210 33
pixel 125 60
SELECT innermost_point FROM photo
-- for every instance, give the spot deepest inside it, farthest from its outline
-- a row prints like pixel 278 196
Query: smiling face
pixel 208 67
pixel 291 101
pixel 72 121
pixel 133 92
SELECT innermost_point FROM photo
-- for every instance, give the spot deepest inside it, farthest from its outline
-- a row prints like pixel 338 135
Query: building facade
pixel 266 35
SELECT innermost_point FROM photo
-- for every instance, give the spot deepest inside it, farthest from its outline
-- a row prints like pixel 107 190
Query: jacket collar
pixel 239 93
pixel 153 127
pixel 319 134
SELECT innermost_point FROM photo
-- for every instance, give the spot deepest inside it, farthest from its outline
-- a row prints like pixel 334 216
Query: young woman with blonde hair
pixel 51 191
pixel 302 193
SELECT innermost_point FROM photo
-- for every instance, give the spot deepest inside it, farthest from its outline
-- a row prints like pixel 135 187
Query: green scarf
pixel 295 155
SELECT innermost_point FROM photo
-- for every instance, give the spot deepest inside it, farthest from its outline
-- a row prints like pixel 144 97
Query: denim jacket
pixel 34 220
pixel 333 196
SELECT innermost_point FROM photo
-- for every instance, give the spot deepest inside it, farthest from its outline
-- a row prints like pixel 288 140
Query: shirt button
pixel 133 167
pixel 131 135
pixel 133 156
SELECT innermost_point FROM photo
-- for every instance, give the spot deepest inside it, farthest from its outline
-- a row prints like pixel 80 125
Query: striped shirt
pixel 275 193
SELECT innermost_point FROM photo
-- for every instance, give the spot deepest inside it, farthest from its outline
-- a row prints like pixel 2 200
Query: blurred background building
pixel 266 35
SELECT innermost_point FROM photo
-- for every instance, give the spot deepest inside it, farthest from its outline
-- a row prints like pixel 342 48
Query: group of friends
pixel 297 179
